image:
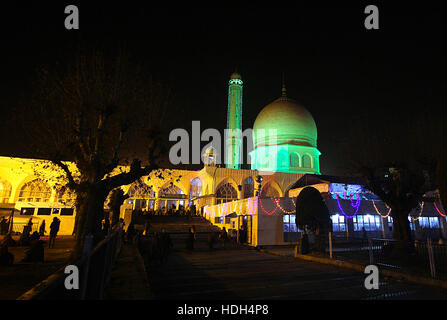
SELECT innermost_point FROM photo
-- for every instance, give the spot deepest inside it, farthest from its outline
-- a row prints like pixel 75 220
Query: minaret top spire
pixel 283 91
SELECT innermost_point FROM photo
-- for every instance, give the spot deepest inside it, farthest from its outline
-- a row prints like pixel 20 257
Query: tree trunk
pixel 90 212
pixel 401 233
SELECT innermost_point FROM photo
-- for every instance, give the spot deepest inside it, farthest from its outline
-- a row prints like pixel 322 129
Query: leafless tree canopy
pixel 96 109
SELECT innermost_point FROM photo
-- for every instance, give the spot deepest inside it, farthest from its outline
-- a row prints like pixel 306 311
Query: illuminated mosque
pixel 261 198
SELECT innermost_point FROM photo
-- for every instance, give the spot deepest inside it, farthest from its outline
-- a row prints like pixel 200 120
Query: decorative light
pixel 420 212
pixel 378 212
pixel 356 206
pixel 283 210
pixel 269 212
pixel 251 205
pixel 439 211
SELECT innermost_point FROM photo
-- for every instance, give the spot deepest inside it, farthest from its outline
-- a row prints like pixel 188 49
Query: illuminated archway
pixel 195 189
pixel 271 189
pixel 248 188
pixel 226 193
pixel 36 190
pixel 5 191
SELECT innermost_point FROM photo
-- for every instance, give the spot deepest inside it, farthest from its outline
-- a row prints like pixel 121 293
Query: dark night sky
pixel 335 67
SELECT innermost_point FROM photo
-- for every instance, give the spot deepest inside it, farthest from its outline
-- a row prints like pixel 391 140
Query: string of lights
pixel 420 212
pixel 378 212
pixel 282 209
pixel 439 211
pixel 269 212
pixel 356 207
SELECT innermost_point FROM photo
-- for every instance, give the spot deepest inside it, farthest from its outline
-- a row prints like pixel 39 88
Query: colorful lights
pixel 439 211
pixel 284 210
pixel 420 212
pixel 276 201
pixel 378 212
pixel 235 81
pixel 356 206
pixel 269 212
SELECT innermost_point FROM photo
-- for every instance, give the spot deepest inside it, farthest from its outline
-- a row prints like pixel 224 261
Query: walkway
pixel 22 276
pixel 245 273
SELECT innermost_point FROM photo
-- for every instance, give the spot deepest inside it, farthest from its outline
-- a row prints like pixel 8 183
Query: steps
pixel 181 224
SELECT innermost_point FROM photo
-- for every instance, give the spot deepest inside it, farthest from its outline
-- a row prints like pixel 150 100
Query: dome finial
pixel 283 91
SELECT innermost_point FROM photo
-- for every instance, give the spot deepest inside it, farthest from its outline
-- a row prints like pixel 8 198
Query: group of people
pixel 35 252
pixel 155 247
pixel 172 211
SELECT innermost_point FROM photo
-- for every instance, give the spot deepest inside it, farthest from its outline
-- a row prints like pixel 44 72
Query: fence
pixel 17 227
pixel 425 259
pixel 94 272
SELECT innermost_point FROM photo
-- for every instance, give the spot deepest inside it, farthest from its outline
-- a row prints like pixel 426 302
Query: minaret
pixel 234 122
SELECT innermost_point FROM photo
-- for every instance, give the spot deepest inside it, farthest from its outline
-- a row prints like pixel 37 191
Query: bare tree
pixel 106 115
pixel 397 158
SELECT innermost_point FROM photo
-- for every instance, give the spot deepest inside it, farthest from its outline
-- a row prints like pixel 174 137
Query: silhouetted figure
pixel 147 226
pixel 4 226
pixel 6 257
pixel 54 229
pixel 130 232
pixel 34 236
pixel 190 239
pixel 35 253
pixel 211 240
pixel 223 237
pixel 106 226
pixel 155 247
pixel 165 245
pixel 25 236
pixel 364 236
pixel 42 229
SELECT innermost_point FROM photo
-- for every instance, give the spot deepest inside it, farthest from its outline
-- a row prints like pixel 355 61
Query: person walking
pixel 211 240
pixel 223 236
pixel 165 245
pixel 54 229
pixel 42 229
pixel 191 238
pixel 106 226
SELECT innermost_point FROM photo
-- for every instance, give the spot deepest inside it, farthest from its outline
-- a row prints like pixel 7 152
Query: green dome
pixel 294 124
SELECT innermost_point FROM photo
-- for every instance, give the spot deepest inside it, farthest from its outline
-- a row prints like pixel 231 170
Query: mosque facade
pixel 262 198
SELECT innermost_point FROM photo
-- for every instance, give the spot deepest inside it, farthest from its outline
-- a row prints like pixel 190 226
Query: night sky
pixel 341 72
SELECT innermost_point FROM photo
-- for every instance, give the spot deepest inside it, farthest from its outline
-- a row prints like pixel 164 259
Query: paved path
pixel 242 273
pixel 128 280
pixel 22 276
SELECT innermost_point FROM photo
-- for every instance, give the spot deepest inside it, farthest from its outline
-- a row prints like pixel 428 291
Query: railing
pixel 94 272
pixel 17 227
pixel 425 258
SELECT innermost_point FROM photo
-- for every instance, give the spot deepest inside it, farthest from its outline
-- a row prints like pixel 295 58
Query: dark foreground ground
pixel 243 273
pixel 22 276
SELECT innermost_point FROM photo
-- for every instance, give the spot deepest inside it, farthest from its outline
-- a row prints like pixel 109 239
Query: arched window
pixel 226 193
pixel 196 188
pixel 269 191
pixel 294 160
pixel 282 159
pixel 248 188
pixel 5 190
pixel 307 162
pixel 35 191
pixel 141 190
pixel 170 191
